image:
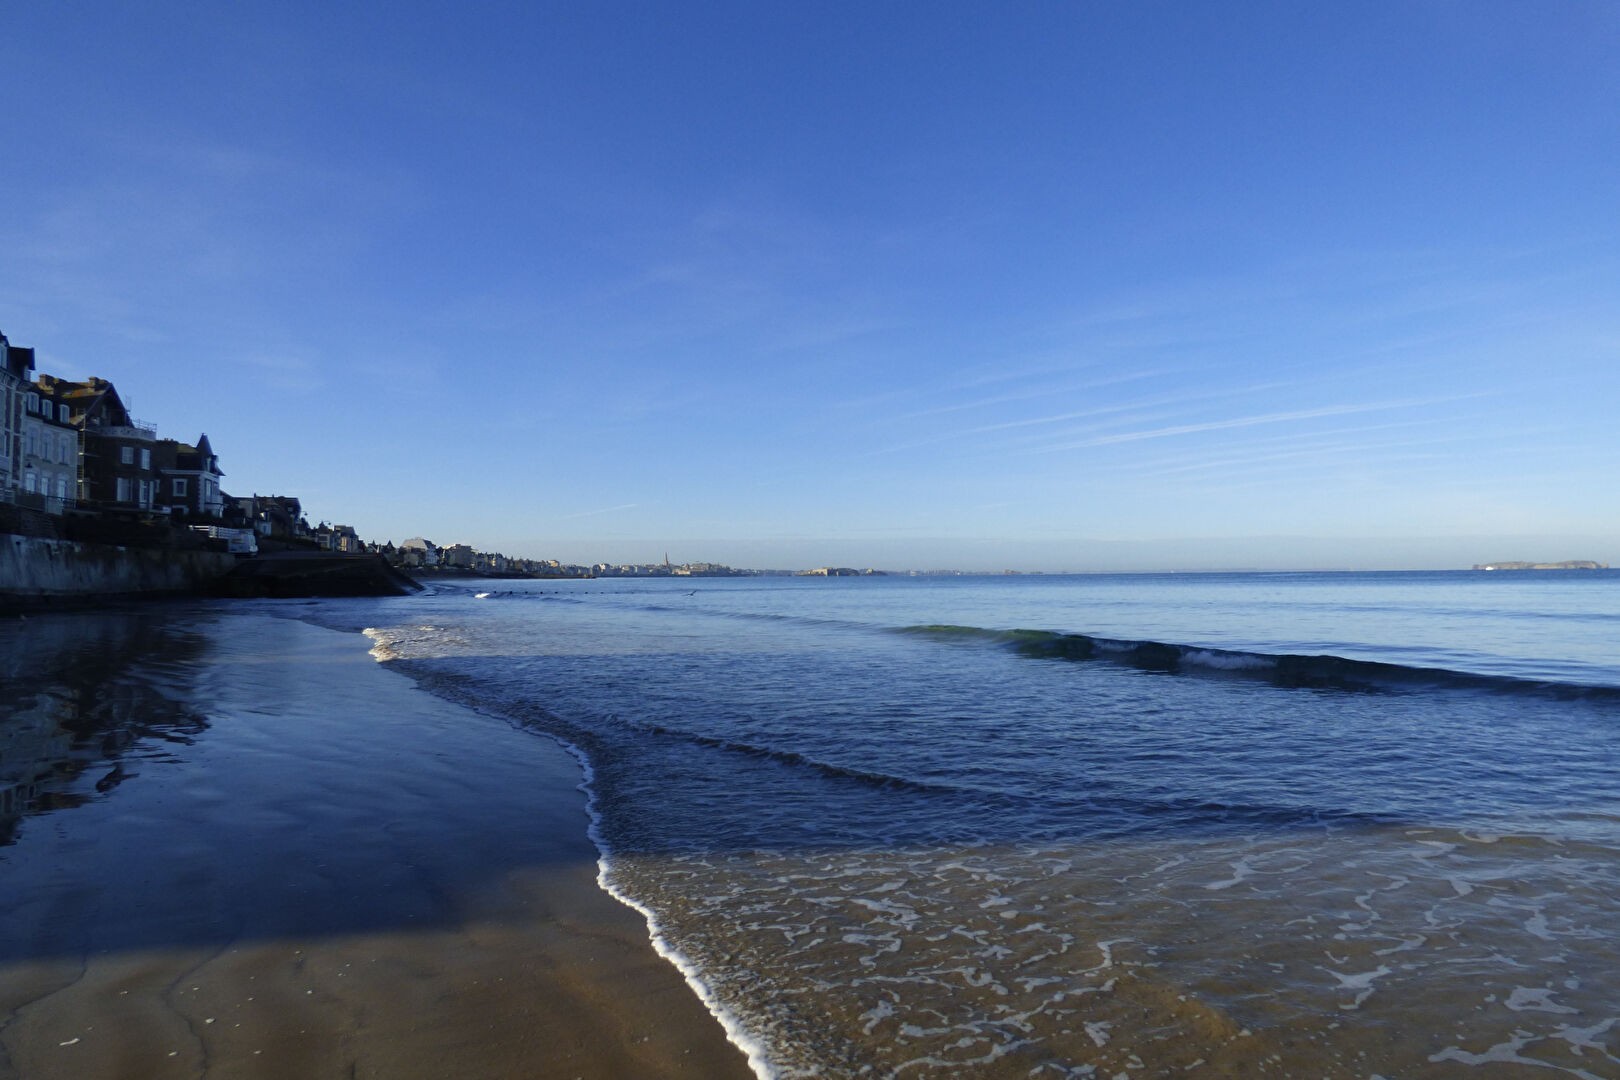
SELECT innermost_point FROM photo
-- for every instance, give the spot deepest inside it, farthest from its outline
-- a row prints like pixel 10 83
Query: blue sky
pixel 1060 286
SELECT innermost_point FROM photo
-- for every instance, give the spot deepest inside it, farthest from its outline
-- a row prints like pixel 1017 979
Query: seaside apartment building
pixel 341 538
pixel 418 551
pixel 189 478
pixel 50 454
pixel 70 449
pixel 117 468
pixel 16 369
pixel 280 516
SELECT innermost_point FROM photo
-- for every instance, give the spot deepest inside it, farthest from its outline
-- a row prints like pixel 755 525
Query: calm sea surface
pixel 1289 825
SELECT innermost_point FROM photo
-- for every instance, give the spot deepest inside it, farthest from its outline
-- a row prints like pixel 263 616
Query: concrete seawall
pixel 36 572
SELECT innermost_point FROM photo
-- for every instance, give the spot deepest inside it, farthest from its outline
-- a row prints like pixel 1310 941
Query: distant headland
pixel 1567 564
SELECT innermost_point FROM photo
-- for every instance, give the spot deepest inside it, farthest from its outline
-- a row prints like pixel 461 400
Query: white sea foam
pixel 1224 661
pixel 386 647
pixel 1535 999
pixel 382 648
pixel 739 1036
pixel 1362 982
pixel 1242 870
pixel 1507 1053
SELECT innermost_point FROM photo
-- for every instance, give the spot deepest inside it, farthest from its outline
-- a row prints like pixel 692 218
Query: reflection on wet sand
pixel 82 703
pixel 317 871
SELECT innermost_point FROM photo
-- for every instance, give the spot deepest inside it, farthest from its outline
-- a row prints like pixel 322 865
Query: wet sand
pixel 265 856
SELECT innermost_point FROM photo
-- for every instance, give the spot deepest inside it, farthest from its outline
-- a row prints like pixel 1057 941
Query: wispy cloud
pixel 1046 391
pixel 1130 410
pixel 1248 421
pixel 1274 448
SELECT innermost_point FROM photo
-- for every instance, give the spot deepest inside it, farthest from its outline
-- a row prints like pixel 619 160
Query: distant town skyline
pixel 995 555
pixel 1083 287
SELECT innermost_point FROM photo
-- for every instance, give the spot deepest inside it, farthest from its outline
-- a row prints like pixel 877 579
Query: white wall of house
pixel 49 465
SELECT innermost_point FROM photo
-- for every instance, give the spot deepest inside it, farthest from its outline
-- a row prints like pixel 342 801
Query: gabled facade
pixel 117 471
pixel 280 516
pixel 188 478
pixel 418 551
pixel 339 538
pixel 458 555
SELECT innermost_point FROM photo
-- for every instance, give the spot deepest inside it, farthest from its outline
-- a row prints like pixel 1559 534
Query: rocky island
pixel 1568 564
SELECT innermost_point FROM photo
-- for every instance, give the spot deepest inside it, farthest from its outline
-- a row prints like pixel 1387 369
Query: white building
pixel 419 552
pixel 50 454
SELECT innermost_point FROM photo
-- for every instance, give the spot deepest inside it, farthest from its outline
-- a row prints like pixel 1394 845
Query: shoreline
pixel 745 1043
pixel 751 1048
pixel 295 862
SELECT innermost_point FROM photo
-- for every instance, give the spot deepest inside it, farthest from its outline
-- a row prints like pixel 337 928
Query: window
pixel 30 484
pixel 146 458
pixel 179 486
pixel 33 403
pixel 62 412
pixel 61 487
pixel 123 489
pixel 126 456
pixel 67 449
pixel 28 444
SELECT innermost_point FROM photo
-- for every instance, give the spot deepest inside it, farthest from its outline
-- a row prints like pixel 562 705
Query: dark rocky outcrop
pixel 295 573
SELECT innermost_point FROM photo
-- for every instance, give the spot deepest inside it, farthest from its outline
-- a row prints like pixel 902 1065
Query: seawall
pixel 37 572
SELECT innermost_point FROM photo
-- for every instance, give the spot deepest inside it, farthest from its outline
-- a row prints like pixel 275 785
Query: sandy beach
pixel 250 851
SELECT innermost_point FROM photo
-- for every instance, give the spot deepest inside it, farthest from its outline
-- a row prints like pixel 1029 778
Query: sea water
pixel 1360 825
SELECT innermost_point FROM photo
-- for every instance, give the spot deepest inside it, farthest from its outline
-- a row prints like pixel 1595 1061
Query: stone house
pixel 280 516
pixel 418 551
pixel 116 451
pixel 458 555
pixel 341 538
pixel 189 478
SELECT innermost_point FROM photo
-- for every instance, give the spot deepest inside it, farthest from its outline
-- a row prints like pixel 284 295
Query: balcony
pixel 135 429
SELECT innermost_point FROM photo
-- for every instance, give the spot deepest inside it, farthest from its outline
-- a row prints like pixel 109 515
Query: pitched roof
pixel 19 359
pixel 93 396
pixel 184 457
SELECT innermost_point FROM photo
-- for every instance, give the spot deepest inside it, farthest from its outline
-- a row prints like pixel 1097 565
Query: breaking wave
pixel 1288 670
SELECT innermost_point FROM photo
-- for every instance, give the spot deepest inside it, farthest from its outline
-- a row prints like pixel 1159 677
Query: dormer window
pixel 33 403
pixel 62 412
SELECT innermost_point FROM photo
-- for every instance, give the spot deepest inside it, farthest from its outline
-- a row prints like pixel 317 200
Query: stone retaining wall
pixel 37 572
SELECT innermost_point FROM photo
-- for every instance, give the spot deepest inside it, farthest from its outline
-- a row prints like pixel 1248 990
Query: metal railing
pixel 134 430
pixel 34 500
